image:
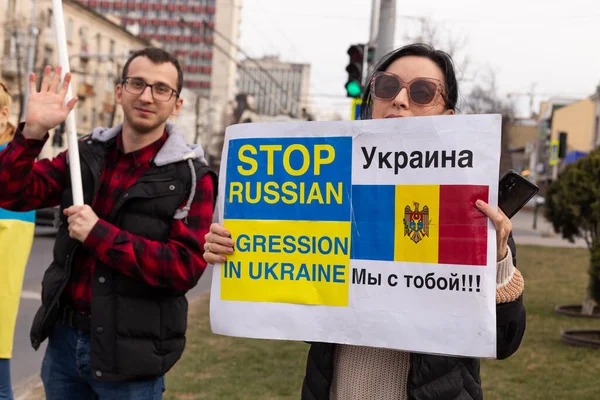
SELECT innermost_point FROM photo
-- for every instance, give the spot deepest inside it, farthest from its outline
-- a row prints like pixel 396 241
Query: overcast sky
pixel 552 44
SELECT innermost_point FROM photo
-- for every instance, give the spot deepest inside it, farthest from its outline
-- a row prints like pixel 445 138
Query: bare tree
pixel 441 37
pixel 482 95
pixel 483 98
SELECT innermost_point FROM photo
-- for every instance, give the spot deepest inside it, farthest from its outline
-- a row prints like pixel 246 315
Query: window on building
pixel 111 49
pixel 110 81
pixel 119 71
pixel 106 117
pixel 69 29
pixel 80 113
pixel 10 7
pixel 83 37
pixel 99 43
pixel 47 56
pixel 85 70
pixel 597 130
pixel 49 21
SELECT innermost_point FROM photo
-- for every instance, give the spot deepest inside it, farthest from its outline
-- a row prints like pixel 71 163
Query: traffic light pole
pixel 33 32
pixel 374 23
pixel 387 28
pixel 365 65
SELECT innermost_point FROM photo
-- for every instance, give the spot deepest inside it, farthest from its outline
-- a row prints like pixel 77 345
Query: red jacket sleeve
pixel 26 184
pixel 177 263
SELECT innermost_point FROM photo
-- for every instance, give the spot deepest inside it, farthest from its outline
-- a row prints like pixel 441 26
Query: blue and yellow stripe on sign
pixel 16 238
pixel 304 262
pixel 287 206
pixel 306 179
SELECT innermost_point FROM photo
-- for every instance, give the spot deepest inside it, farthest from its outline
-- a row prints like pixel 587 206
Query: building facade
pixel 577 121
pixel 522 135
pixel 98 47
pixel 279 88
pixel 540 155
pixel 596 99
pixel 201 33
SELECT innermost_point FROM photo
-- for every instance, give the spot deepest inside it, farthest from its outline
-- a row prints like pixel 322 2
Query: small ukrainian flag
pixel 16 238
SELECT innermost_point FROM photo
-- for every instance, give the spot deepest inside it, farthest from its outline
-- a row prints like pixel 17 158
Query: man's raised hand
pixel 46 109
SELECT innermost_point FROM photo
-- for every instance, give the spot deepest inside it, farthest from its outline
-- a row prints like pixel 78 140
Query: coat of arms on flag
pixel 443 222
pixel 416 223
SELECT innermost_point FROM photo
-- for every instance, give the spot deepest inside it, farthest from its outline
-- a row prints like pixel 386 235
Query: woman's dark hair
pixel 440 58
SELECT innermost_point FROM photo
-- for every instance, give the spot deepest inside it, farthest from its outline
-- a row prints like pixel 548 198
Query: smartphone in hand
pixel 514 191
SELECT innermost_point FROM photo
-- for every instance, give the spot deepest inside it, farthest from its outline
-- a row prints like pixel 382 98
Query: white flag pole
pixel 71 130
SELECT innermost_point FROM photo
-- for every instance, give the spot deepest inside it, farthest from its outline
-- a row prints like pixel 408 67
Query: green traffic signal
pixel 353 89
pixel 355 70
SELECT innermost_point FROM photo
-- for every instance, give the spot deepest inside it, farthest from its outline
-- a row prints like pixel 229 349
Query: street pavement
pixel 26 362
pixel 543 235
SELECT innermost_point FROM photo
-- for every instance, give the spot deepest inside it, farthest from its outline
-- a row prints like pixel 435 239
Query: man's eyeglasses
pixel 421 91
pixel 160 91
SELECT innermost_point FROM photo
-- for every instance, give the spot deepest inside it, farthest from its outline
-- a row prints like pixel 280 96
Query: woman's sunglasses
pixel 421 91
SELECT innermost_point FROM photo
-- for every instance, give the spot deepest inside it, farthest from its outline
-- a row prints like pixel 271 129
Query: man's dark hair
pixel 157 56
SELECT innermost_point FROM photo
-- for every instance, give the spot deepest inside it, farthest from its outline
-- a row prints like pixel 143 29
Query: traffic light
pixel 371 56
pixel 355 70
pixel 57 139
pixel 562 145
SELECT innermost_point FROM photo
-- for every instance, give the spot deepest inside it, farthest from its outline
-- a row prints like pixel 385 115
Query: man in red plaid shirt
pixel 113 300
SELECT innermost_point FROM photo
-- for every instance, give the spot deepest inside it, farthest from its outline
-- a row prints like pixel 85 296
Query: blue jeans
pixel 67 374
pixel 5 388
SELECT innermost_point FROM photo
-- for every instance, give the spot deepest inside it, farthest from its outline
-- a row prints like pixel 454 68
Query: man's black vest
pixel 137 330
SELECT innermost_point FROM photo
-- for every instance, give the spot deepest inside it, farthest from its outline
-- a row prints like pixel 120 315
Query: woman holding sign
pixel 415 80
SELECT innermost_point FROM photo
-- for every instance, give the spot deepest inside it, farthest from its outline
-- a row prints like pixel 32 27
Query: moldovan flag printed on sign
pixel 420 223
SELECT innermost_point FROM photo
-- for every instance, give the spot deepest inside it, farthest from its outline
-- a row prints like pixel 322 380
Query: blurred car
pixel 46 216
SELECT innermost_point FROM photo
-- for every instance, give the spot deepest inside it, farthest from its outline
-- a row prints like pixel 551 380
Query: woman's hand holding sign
pixel 501 223
pixel 218 243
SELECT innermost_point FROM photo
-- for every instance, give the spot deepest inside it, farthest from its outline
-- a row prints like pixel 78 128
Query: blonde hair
pixel 7 130
pixel 5 99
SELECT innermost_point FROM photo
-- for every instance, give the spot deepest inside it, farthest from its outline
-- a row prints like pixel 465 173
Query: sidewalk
pixel 30 389
pixel 544 235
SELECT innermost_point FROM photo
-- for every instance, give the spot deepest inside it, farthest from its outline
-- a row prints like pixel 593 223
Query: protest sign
pixel 361 232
